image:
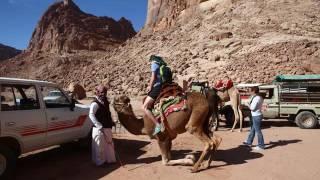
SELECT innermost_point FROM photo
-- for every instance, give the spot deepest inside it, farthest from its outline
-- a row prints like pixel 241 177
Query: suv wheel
pixel 7 162
pixel 306 120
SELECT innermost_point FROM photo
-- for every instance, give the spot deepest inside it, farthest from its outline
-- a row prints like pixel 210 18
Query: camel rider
pixel 100 115
pixel 153 89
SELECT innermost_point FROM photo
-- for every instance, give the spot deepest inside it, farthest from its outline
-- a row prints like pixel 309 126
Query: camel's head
pixel 122 104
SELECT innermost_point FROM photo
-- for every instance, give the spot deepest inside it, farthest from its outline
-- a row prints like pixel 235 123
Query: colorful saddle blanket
pixel 171 99
pixel 169 105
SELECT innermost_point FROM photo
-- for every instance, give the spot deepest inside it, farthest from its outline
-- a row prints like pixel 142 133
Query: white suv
pixel 30 119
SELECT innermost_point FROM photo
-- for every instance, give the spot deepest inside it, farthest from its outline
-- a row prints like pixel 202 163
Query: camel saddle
pixel 171 99
pixel 169 90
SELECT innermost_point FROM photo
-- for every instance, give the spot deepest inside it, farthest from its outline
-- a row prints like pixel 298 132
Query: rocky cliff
pixel 245 40
pixel 163 14
pixel 7 52
pixel 64 28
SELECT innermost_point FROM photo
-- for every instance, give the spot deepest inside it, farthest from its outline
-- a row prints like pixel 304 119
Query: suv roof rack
pixel 297 78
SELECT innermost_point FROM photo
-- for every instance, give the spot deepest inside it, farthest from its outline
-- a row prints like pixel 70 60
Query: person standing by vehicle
pixel 256 112
pixel 100 115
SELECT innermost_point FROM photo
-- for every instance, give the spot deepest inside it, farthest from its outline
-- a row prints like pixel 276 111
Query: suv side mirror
pixel 73 104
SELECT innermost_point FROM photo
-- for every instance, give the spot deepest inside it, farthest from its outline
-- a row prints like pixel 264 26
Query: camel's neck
pixel 131 122
pixel 223 95
pixel 227 94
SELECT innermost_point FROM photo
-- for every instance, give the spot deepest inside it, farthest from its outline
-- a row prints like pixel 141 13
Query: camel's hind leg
pixel 207 148
pixel 217 141
pixel 236 117
pixel 240 118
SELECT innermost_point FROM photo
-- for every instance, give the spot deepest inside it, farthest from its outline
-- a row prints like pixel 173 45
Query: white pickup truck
pixel 30 119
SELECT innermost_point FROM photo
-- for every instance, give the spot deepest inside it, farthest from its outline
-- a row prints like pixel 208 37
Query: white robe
pixel 102 146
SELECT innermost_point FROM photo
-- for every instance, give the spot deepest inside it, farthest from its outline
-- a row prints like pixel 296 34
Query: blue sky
pixel 18 18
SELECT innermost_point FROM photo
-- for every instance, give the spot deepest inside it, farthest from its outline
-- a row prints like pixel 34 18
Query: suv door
pixel 270 105
pixel 64 124
pixel 21 116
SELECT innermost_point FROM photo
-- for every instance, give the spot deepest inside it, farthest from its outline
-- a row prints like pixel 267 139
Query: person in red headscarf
pixel 100 115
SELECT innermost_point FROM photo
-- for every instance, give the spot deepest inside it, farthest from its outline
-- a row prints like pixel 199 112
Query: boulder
pixel 77 91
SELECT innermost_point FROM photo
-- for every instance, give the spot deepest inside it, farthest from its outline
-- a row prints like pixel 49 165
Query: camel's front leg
pixel 236 115
pixel 165 148
pixel 240 118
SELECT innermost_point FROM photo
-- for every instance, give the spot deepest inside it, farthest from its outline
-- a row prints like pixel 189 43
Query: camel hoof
pixel 194 170
pixel 206 165
pixel 231 130
pixel 240 130
pixel 165 162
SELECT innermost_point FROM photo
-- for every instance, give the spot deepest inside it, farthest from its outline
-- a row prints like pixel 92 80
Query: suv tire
pixel 8 161
pixel 306 120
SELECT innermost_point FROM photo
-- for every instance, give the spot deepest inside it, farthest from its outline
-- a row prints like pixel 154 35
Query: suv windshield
pixel 54 98
pixel 55 93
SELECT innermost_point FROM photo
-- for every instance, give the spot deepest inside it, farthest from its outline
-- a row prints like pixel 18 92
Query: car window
pixel 55 93
pixel 54 98
pixel 266 93
pixel 19 97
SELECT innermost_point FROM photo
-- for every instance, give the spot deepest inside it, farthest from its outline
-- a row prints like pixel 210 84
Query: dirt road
pixel 291 153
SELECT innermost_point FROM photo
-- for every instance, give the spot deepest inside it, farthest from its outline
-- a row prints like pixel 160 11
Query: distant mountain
pixel 7 52
pixel 64 27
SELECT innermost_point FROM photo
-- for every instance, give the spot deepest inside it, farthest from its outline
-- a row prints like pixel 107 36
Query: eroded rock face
pixel 7 52
pixel 247 41
pixel 163 14
pixel 64 27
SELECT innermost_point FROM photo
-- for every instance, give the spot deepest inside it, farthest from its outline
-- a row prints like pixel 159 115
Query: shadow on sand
pixel 266 124
pixel 75 163
pixel 272 145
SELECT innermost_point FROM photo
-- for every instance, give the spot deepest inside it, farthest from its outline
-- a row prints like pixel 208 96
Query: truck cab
pixel 31 118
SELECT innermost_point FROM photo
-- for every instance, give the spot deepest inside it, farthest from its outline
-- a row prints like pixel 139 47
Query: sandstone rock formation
pixel 64 27
pixel 246 40
pixel 163 14
pixel 7 52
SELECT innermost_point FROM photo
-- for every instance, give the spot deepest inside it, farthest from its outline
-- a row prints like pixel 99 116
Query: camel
pixel 194 119
pixel 232 95
pixel 216 97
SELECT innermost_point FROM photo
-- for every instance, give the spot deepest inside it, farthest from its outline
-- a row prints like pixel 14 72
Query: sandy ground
pixel 291 153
